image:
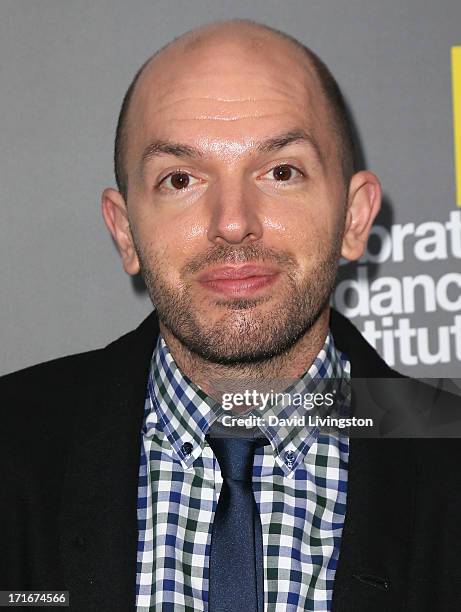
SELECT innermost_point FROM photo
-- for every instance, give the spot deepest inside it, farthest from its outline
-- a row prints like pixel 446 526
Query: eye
pixel 177 181
pixel 283 173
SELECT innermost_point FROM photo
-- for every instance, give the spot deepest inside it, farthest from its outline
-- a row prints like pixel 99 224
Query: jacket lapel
pixel 375 544
pixel 98 519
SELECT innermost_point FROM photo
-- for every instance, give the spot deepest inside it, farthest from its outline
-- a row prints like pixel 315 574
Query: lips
pixel 238 281
pixel 235 273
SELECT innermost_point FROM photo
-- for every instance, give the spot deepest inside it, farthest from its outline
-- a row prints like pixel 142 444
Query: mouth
pixel 238 281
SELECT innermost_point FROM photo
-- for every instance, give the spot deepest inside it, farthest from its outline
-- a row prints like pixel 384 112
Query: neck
pixel 290 365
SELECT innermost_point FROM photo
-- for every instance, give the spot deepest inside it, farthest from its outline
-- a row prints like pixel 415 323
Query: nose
pixel 234 216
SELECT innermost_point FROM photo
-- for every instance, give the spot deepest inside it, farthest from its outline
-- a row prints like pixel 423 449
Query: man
pixel 237 194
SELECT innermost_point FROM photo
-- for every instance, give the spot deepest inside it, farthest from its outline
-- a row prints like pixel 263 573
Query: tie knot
pixel 235 457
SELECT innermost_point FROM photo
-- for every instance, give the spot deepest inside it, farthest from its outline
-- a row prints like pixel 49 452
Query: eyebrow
pixel 275 143
pixel 283 140
pixel 166 147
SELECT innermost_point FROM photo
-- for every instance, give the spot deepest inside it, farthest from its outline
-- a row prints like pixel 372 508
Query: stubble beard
pixel 245 333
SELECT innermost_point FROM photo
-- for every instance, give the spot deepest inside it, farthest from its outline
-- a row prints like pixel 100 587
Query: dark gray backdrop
pixel 64 69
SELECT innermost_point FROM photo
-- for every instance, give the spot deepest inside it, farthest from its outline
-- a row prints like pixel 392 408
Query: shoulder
pixel 86 368
pixel 43 406
pixel 51 372
pixel 427 411
pixel 72 374
pixel 48 394
pixel 37 404
pixel 365 360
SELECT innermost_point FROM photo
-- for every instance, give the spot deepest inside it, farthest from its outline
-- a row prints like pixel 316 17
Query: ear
pixel 363 204
pixel 115 216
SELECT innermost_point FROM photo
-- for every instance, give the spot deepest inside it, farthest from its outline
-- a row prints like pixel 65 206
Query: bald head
pixel 234 43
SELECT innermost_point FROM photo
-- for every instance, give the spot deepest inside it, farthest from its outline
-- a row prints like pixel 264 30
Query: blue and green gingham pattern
pixel 299 483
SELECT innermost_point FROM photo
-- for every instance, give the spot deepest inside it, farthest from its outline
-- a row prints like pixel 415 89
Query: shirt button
pixel 289 458
pixel 187 448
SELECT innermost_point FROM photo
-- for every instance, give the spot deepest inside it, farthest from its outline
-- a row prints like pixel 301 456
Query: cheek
pixel 168 242
pixel 190 233
pixel 180 221
pixel 301 229
pixel 309 231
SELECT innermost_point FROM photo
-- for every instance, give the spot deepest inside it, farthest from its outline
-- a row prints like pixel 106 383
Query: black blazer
pixel 69 457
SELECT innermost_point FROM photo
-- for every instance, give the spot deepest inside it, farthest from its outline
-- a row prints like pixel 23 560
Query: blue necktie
pixel 236 555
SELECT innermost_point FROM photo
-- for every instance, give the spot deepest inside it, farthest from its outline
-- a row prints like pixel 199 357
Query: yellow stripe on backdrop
pixel 456 80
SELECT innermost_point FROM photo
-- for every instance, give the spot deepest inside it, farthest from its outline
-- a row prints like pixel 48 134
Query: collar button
pixel 289 458
pixel 187 448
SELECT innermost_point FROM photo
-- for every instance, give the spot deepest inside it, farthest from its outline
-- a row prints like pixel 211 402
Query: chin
pixel 244 337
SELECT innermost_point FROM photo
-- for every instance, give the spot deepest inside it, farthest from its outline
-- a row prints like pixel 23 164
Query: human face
pixel 236 199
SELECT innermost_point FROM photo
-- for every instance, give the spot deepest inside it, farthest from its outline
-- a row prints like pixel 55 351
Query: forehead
pixel 227 89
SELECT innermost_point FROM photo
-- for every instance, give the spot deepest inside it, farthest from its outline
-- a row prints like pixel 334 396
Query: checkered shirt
pixel 299 484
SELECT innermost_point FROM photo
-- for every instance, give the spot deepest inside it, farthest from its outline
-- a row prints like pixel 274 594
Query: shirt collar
pixel 184 413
